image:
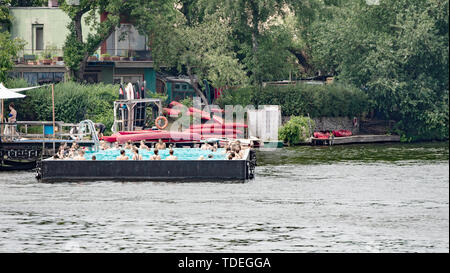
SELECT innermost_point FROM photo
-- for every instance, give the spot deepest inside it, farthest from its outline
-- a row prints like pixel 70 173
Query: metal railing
pixel 44 130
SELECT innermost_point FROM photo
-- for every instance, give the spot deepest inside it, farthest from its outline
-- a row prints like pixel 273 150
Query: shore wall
pixel 332 123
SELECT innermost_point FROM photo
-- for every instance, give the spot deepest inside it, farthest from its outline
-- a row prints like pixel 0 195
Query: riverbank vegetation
pixel 298 129
pixel 334 100
pixel 74 102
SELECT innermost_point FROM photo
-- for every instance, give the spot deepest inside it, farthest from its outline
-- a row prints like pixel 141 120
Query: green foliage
pixel 73 49
pixel 9 49
pixel 398 52
pixel 74 102
pixel 331 100
pixel 162 97
pixel 296 130
pixel 5 17
pixel 203 49
pixel 188 102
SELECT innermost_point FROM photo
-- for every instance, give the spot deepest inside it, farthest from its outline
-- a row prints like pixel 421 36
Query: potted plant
pixel 47 54
pixel 105 57
pixel 132 55
pixel 115 58
pixel 92 58
pixel 124 56
pixel 57 58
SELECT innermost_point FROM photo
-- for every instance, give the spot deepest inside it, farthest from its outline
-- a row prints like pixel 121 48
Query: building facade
pixel 124 57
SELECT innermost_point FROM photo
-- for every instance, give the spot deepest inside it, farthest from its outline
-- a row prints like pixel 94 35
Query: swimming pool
pixel 181 153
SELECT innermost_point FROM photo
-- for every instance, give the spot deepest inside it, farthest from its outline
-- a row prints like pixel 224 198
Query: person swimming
pixel 205 146
pixel 94 157
pixel 155 156
pixel 143 146
pixel 136 155
pixel 122 156
pixel 171 156
pixel 128 145
pixel 160 145
pixel 238 152
pixel 80 155
pixel 201 158
pixel 231 156
pixel 117 145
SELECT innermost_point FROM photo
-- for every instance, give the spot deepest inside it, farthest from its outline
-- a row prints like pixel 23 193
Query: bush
pixel 74 102
pixel 296 130
pixel 333 100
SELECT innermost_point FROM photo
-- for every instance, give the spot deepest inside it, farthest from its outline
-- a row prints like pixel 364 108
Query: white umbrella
pixel 7 94
pixel 2 87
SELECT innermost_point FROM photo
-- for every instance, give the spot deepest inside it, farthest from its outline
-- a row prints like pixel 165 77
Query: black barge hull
pixel 147 170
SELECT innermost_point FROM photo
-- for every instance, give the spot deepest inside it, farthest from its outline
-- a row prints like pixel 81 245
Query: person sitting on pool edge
pixel 238 152
pixel 122 156
pixel 155 156
pixel 136 155
pixel 171 156
pixel 101 129
pixel 160 145
pixel 80 155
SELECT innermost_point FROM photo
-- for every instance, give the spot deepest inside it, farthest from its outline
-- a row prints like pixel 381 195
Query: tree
pixel 199 45
pixel 76 48
pixel 260 40
pixel 8 50
pixel 398 52
pixel 28 3
pixel 5 17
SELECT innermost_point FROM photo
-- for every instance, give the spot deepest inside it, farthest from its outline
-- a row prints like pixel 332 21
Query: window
pixel 124 40
pixel 38 41
pixel 125 79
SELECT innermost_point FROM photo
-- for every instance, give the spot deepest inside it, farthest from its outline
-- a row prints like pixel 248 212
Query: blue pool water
pixel 181 153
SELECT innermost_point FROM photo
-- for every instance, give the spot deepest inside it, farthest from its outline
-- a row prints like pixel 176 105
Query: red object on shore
pixel 322 135
pixel 342 133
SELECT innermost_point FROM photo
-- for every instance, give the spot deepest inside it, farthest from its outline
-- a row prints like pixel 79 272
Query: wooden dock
pixel 355 139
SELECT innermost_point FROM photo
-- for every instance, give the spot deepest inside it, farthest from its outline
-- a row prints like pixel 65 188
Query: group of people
pixel 74 152
pixel 233 151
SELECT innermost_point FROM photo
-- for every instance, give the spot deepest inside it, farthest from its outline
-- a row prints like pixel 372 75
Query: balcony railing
pixel 39 57
pixel 124 54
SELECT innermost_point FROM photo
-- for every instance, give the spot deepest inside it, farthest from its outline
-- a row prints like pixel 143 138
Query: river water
pixel 356 198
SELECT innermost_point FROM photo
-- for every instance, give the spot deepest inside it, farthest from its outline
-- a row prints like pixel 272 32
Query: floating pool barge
pixel 148 170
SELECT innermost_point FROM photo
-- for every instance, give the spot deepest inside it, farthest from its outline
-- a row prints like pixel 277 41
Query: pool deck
pixel 355 139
